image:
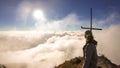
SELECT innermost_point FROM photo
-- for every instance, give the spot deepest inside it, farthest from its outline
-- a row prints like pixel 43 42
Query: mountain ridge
pixel 77 62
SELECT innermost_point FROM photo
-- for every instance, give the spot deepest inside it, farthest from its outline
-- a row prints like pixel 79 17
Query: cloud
pixel 70 22
pixel 44 53
pixel 108 42
pixel 73 22
pixel 107 20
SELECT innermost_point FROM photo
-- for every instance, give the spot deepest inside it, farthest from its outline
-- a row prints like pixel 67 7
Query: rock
pixel 2 66
pixel 77 62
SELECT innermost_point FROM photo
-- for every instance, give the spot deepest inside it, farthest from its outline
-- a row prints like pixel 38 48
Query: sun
pixel 38 14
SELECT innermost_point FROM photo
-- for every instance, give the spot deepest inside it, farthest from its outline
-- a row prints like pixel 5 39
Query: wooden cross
pixel 91 28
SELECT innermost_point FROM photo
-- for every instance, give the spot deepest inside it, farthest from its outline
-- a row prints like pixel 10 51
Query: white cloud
pixel 70 22
pixel 108 20
pixel 109 42
pixel 62 48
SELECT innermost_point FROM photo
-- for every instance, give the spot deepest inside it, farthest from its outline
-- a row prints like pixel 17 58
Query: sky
pixel 60 14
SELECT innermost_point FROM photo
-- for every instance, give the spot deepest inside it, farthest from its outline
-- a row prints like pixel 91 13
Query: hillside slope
pixel 77 62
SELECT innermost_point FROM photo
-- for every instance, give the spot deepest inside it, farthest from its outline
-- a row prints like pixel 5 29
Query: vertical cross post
pixel 91 27
pixel 91 19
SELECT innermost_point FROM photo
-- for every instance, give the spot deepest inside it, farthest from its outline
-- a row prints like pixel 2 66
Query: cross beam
pixel 91 28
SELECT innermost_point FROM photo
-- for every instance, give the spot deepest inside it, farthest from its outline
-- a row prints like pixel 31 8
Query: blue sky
pixel 12 14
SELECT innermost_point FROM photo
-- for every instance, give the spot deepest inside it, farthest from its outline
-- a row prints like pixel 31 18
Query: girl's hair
pixel 90 38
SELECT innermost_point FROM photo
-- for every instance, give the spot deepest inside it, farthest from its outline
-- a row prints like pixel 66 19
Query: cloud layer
pixel 58 46
pixel 109 42
pixel 46 50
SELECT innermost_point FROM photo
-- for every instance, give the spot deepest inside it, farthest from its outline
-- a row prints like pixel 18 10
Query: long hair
pixel 90 37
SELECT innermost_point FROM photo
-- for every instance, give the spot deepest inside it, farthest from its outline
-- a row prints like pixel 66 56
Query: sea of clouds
pixel 39 49
pixel 33 49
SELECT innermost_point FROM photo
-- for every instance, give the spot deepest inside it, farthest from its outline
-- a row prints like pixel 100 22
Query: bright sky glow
pixel 38 14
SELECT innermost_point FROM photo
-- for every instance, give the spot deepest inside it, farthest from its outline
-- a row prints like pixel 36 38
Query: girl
pixel 89 51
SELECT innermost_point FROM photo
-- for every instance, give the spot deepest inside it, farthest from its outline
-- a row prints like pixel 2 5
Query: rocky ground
pixel 77 62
